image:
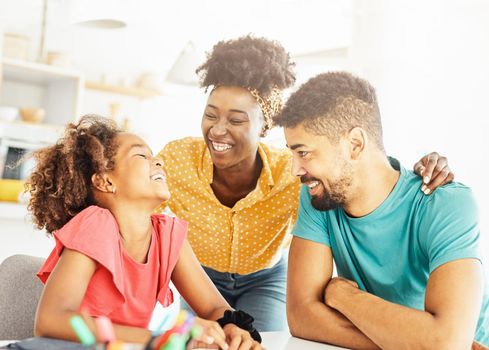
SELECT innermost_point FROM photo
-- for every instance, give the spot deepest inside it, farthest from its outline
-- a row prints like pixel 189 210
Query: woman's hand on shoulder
pixel 240 339
pixel 435 171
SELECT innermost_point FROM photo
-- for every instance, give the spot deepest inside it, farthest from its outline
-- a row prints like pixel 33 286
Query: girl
pixel 95 191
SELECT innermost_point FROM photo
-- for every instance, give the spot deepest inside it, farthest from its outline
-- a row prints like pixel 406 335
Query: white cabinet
pixel 57 90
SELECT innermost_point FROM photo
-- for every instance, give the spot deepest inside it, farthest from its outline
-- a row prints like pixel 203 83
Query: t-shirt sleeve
pixel 172 232
pixel 93 232
pixel 311 223
pixel 449 229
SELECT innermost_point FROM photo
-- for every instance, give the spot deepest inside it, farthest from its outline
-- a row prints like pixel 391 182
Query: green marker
pixel 195 331
pixel 175 342
pixel 82 331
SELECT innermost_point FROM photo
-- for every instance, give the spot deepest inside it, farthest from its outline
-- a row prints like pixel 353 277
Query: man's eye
pixel 209 116
pixel 302 154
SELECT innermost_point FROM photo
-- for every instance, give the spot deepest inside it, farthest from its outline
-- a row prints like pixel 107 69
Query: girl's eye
pixel 302 154
pixel 237 121
pixel 209 116
pixel 142 155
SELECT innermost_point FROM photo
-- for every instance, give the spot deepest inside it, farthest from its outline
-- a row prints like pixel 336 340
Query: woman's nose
pixel 219 128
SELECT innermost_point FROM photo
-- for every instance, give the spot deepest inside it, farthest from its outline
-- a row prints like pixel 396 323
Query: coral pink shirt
pixel 121 288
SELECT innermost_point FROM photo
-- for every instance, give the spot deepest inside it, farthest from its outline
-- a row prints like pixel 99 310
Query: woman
pixel 236 193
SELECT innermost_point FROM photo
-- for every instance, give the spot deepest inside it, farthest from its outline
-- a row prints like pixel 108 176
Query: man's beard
pixel 328 201
pixel 332 199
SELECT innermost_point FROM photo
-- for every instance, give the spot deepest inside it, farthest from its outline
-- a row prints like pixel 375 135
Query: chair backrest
pixel 20 290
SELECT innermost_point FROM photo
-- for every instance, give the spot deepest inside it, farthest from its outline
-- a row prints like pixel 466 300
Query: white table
pixel 275 341
pixel 284 341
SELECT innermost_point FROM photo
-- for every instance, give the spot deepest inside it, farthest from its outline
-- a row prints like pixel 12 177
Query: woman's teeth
pixel 220 147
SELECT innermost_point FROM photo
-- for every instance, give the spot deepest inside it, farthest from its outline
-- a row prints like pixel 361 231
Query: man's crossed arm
pixel 335 311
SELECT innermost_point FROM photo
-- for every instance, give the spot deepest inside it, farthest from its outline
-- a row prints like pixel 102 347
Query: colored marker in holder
pixel 195 332
pixel 105 330
pixel 82 331
pixel 178 336
pixel 176 342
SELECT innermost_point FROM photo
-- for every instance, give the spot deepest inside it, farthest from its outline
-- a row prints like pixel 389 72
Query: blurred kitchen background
pixel 135 60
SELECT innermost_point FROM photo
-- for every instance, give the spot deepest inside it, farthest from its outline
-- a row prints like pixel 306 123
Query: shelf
pixel 30 132
pixel 38 73
pixel 123 90
pixel 59 91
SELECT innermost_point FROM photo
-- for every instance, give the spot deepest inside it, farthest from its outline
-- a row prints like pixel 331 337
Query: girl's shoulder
pixel 93 232
pixel 93 212
pixel 92 223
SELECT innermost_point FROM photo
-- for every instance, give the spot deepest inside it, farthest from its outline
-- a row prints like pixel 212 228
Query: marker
pixel 120 345
pixel 82 331
pixel 184 332
pixel 105 330
pixel 185 327
pixel 176 342
pixel 181 318
pixel 164 338
pixel 195 331
pixel 116 345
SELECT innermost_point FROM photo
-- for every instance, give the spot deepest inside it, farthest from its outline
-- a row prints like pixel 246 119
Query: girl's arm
pixel 196 287
pixel 203 297
pixel 63 295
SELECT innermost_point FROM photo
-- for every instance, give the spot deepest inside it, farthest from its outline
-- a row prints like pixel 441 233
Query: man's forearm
pixel 390 325
pixel 316 321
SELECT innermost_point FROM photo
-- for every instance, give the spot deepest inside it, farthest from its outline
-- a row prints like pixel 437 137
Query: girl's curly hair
pixel 248 62
pixel 60 185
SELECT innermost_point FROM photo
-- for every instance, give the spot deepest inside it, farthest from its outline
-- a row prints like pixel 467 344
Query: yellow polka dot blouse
pixel 243 239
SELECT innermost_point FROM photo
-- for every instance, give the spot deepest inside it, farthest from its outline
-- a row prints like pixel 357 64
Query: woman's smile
pixel 221 147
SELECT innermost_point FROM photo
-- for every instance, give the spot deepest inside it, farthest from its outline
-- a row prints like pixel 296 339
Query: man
pixel 409 266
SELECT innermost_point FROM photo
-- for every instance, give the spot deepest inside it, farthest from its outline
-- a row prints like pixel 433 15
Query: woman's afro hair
pixel 248 62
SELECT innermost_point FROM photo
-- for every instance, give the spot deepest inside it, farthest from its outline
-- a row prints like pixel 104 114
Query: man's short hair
pixel 332 104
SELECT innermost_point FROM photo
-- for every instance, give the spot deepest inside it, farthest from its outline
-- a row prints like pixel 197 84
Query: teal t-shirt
pixel 392 251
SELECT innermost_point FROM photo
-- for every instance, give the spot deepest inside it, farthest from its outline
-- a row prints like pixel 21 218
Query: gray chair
pixel 20 290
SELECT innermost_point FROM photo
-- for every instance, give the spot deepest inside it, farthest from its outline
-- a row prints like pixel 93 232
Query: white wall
pixel 427 59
